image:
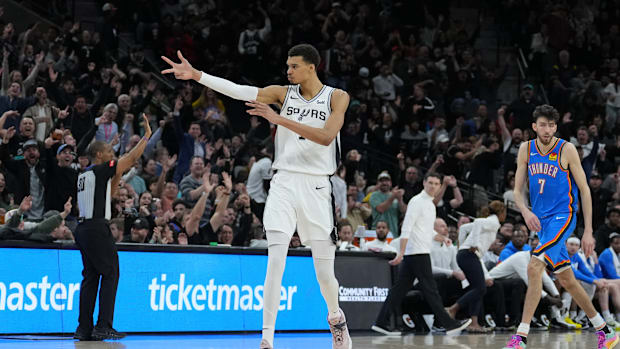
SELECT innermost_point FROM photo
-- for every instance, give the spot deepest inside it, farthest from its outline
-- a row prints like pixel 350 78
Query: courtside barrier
pixel 183 289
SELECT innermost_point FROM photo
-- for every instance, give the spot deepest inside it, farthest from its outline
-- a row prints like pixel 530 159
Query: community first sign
pixel 157 291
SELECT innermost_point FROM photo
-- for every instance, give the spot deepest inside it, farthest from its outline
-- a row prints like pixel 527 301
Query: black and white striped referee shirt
pixel 94 191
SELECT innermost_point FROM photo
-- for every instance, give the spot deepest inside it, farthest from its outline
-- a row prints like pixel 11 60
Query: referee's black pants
pixel 412 267
pixel 100 260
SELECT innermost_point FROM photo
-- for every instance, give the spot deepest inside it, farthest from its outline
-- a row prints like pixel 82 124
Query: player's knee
pixel 535 270
pixel 324 277
pixel 567 282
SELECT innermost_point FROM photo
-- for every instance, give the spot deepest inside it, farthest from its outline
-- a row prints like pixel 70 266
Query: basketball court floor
pixel 366 340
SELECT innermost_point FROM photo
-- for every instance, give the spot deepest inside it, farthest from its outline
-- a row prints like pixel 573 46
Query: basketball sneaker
pixel 611 322
pixel 559 323
pixel 516 342
pixel 607 340
pixel 265 345
pixel 340 332
pixel 570 321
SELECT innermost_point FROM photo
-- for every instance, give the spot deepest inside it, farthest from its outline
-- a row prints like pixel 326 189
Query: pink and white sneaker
pixel 340 332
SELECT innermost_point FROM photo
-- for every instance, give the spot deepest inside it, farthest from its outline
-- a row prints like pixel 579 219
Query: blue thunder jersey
pixel 552 188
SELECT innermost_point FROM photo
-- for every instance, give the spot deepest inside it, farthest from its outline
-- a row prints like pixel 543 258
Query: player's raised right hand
pixel 181 71
pixel 532 222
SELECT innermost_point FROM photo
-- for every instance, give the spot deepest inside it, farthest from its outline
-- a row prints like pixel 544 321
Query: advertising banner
pixel 364 285
pixel 158 291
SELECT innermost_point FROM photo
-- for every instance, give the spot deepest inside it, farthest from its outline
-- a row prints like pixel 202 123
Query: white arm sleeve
pixel 229 88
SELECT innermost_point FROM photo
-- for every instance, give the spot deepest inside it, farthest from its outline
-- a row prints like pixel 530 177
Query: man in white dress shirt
pixel 416 240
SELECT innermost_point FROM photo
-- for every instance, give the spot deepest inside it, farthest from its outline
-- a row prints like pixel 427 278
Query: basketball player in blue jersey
pixel 553 169
pixel 306 155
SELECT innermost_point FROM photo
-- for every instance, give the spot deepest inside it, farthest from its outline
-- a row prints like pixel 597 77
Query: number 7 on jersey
pixel 542 185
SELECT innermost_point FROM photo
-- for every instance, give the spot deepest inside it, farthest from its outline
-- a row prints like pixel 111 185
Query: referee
pixel 94 238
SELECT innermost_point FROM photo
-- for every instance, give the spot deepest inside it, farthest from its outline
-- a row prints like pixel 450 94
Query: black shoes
pixel 82 335
pixel 100 334
pixel 460 325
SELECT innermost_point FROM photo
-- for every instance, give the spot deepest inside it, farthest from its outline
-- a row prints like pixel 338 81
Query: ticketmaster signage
pixel 158 291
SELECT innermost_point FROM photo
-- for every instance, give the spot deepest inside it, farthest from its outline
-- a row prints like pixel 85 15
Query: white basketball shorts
pixel 302 201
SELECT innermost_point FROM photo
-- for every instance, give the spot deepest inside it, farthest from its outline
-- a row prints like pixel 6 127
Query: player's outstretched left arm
pixel 323 136
pixel 574 165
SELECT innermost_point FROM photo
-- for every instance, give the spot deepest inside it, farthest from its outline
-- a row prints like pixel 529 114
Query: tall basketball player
pixel 553 169
pixel 306 155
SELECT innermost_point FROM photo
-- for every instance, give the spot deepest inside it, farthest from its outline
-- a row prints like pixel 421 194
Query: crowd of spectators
pixel 422 99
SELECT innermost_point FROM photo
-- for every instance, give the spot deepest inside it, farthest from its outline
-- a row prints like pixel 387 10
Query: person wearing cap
pixel 30 174
pixel 61 176
pixel 519 112
pixel 139 231
pixel 387 203
pixel 603 233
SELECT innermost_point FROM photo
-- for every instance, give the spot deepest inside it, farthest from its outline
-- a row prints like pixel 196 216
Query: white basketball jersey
pixel 297 154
